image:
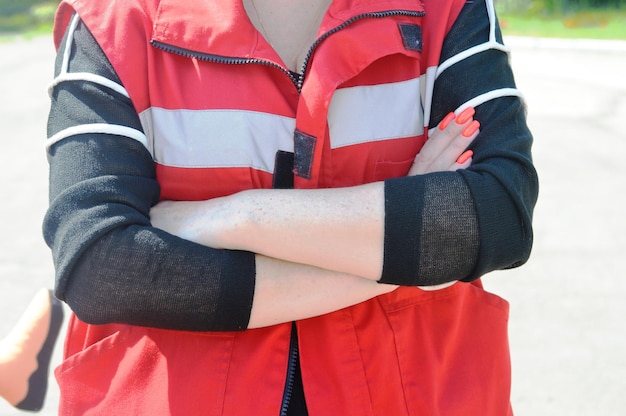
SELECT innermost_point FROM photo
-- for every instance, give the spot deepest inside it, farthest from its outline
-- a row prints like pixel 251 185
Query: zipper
pixel 297 79
pixel 292 362
pixel 219 59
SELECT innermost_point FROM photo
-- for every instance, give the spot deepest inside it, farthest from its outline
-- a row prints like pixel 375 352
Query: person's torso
pixel 216 105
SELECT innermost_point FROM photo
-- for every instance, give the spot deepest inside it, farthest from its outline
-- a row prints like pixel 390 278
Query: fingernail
pixel 464 156
pixel 465 115
pixel 471 129
pixel 446 121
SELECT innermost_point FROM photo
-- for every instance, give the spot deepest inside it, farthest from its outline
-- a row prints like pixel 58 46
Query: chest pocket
pixel 376 116
pixel 376 129
pixel 380 127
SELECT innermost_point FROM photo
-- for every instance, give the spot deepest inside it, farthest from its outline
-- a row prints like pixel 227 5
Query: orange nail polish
pixel 464 156
pixel 471 129
pixel 465 115
pixel 446 121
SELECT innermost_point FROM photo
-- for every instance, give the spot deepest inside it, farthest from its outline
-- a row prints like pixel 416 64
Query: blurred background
pixel 568 304
pixel 597 19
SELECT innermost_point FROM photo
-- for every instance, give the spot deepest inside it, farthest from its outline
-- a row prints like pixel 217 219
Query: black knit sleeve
pixel 460 225
pixel 111 265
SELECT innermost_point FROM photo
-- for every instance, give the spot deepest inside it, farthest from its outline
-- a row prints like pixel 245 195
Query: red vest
pixel 215 107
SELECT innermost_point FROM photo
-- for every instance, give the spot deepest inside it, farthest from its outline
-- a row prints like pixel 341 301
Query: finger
pixel 437 153
pixel 456 148
pixel 439 139
pixel 449 157
pixel 463 162
pixel 463 127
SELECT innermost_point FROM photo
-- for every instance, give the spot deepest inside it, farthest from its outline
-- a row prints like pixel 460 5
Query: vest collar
pixel 219 27
pixel 222 27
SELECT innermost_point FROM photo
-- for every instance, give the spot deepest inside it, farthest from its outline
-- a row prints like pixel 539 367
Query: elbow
pixel 505 229
pixel 523 251
pixel 85 282
pixel 505 244
pixel 524 235
pixel 87 299
pixel 85 311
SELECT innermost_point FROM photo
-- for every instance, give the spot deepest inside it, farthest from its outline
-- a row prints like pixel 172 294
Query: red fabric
pixel 422 353
pixel 410 352
pixel 128 370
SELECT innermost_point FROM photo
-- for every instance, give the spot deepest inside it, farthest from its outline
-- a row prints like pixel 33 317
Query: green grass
pixel 602 24
pixel 36 21
pixel 590 24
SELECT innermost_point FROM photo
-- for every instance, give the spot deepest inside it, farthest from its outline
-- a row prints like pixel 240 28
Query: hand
pixel 445 149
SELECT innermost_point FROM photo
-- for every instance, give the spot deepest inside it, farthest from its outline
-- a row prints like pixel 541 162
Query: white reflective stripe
pixel 371 113
pixel 491 12
pixel 68 43
pixel 488 96
pixel 65 75
pixel 98 128
pixel 217 138
pixel 86 76
pixel 490 43
pixel 470 52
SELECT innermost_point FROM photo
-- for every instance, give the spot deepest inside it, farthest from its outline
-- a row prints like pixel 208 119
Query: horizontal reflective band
pixel 239 138
pixel 488 96
pixel 97 128
pixel 216 138
pixel 376 112
pixel 491 43
pixel 88 77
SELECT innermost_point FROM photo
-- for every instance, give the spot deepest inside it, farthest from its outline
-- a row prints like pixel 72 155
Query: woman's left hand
pixel 445 149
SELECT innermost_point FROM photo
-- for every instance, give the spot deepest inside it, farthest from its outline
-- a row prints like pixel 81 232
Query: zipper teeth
pixel 291 366
pixel 188 53
pixel 292 362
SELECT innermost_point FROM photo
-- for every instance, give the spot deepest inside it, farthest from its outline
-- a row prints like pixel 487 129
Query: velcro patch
pixel 411 36
pixel 304 147
pixel 283 170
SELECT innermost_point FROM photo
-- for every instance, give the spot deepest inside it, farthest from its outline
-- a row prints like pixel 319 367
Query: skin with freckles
pixel 301 271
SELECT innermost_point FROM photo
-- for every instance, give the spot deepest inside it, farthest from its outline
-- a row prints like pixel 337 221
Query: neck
pixel 289 26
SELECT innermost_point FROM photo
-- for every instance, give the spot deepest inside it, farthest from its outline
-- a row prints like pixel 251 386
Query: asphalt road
pixel 567 327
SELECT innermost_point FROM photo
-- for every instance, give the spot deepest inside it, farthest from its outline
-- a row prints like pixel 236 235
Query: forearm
pixel 337 229
pixel 140 276
pixel 288 291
